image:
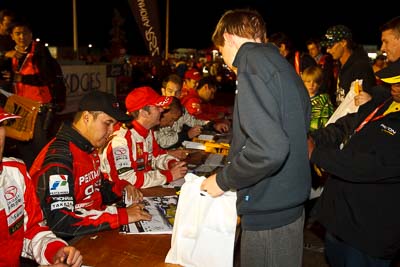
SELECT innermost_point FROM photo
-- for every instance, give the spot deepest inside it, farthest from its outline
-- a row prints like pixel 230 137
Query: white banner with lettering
pixel 81 79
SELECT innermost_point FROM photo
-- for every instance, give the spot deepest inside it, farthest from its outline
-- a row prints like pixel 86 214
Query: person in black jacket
pixel 354 63
pixel 360 202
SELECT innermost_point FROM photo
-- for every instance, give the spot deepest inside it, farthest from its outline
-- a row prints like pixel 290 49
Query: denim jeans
pixel 340 254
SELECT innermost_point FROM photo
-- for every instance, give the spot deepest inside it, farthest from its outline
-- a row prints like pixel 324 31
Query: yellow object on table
pixel 217 148
pixel 212 147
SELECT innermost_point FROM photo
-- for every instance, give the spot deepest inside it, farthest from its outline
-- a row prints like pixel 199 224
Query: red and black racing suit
pixel 74 195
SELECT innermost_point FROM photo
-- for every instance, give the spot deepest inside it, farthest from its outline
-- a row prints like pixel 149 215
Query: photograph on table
pixel 162 209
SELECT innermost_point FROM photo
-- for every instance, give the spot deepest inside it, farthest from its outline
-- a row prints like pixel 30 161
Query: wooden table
pixel 110 248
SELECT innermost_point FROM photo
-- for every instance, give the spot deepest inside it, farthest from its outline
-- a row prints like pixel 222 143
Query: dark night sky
pixel 192 22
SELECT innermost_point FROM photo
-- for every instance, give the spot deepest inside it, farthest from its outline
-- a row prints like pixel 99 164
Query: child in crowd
pixel 321 110
pixel 321 105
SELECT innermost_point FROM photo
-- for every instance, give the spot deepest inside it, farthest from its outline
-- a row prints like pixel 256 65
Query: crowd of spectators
pixel 118 150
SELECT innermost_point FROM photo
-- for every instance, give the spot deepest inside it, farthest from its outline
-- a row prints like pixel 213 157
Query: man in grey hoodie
pixel 267 163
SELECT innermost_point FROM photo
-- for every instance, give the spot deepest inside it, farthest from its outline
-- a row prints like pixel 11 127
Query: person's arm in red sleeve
pixel 46 243
pixel 66 216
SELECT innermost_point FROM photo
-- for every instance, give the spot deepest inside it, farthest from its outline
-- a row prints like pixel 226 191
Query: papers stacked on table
pixel 193 145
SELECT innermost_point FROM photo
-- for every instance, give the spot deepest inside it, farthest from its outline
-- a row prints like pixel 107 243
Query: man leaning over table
pixel 133 155
pixel 197 102
pixel 74 195
pixel 185 127
pixel 267 160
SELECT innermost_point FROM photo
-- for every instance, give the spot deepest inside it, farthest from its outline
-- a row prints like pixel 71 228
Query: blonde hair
pixel 313 73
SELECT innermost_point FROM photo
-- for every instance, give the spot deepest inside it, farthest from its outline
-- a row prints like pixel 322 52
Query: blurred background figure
pixel 35 75
pixel 6 50
pixel 172 85
pixel 327 64
pixel 190 81
pixel 171 134
pixel 298 59
pixel 198 101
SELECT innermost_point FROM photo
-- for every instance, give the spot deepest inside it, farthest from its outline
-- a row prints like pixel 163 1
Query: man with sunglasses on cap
pixel 360 202
pixel 354 63
pixel 133 156
pixel 23 232
pixel 74 195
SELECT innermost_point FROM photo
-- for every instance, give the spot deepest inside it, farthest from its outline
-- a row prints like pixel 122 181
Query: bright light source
pixel 46 44
pixel 37 39
pixel 90 45
pixel 372 55
pixel 214 54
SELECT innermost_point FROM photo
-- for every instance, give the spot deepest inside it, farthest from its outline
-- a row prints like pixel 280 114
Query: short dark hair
pixel 279 38
pixel 393 24
pixel 313 40
pixel 209 80
pixel 174 106
pixel 6 13
pixel 20 22
pixel 175 78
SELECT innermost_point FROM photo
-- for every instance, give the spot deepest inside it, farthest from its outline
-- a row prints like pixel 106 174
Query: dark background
pixel 192 22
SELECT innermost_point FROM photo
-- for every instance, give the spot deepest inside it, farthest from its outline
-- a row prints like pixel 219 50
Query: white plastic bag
pixel 204 227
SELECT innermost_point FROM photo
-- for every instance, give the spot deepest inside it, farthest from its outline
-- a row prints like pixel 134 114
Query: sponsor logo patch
pixel 388 129
pixel 58 184
pixel 61 204
pixel 119 151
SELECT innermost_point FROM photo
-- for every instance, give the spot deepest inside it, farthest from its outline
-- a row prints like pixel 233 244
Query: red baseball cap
pixel 4 115
pixel 145 96
pixel 193 74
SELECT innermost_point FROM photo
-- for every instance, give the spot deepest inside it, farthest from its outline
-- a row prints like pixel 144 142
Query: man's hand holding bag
pixel 204 227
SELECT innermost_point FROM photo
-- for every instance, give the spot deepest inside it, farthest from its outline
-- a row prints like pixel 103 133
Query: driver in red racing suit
pixel 22 230
pixel 74 195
